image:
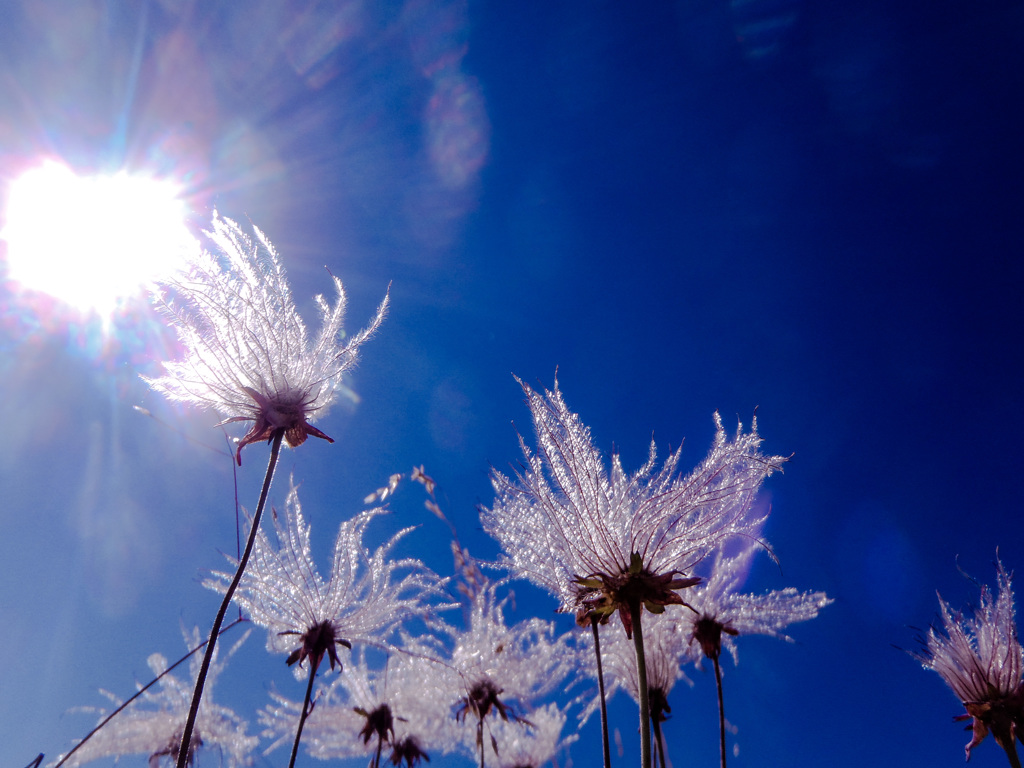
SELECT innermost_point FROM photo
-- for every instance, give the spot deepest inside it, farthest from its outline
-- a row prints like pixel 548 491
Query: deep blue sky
pixel 813 209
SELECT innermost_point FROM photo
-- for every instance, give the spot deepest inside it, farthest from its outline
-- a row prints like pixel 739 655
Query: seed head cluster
pixel 247 353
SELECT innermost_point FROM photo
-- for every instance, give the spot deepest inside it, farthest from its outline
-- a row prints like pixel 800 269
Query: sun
pixel 92 241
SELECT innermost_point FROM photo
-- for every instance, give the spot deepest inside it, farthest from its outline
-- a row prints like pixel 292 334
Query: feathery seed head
pixel 720 612
pixel 379 722
pixel 364 708
pixel 481 699
pixel 981 659
pixel 153 723
pixel 318 640
pixel 513 746
pixel 363 600
pixel 525 661
pixel 173 749
pixel 247 351
pixel 408 751
pixel 707 631
pixel 602 594
pixel 665 649
pixel 597 537
pixel 660 710
pixel 493 672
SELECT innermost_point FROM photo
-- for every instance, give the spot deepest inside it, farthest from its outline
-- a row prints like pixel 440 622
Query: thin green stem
pixel 641 670
pixel 197 694
pixel 305 713
pixel 721 707
pixel 138 693
pixel 600 685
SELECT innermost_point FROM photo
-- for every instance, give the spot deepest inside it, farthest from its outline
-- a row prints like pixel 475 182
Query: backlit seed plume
pixel 523 662
pixel 491 671
pixel 394 709
pixel 306 617
pixel 532 747
pixel 247 351
pixel 152 724
pixel 597 538
pixel 980 658
pixel 721 613
pixel 666 650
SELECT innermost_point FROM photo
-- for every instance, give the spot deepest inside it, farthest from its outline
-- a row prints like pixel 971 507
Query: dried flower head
pixel 600 539
pixel 980 658
pixel 408 751
pixel 247 352
pixel 665 650
pixel 497 672
pixel 523 662
pixel 515 747
pixel 394 709
pixel 153 723
pixel 721 613
pixel 308 618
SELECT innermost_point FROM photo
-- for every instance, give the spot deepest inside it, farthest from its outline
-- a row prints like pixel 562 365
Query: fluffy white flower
pixel 306 617
pixel 395 710
pixel 666 648
pixel 980 658
pixel 524 662
pixel 247 352
pixel 496 671
pixel 599 538
pixel 530 747
pixel 490 671
pixel 153 723
pixel 721 613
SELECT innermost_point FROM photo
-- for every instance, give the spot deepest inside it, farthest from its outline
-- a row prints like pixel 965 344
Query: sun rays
pixel 92 241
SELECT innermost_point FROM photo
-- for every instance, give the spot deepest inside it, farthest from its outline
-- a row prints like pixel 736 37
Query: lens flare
pixel 92 241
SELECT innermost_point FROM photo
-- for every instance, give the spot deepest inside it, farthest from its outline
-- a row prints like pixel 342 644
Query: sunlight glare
pixel 92 241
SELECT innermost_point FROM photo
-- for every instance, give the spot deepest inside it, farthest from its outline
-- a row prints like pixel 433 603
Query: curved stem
pixel 721 706
pixel 641 671
pixel 197 694
pixel 600 685
pixel 138 693
pixel 305 714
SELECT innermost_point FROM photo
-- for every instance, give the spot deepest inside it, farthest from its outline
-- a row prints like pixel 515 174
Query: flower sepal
pixel 602 594
pixel 317 641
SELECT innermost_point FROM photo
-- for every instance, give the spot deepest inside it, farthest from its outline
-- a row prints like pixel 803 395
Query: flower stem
pixel 600 685
pixel 305 714
pixel 659 742
pixel 641 670
pixel 197 694
pixel 721 707
pixel 480 738
pixel 1011 753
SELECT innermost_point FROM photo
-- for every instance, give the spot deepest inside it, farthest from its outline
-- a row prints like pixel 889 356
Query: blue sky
pixel 808 209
